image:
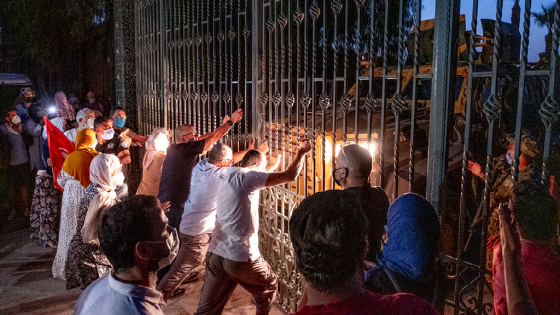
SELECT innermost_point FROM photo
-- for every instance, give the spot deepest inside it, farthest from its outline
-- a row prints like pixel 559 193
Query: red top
pixel 374 304
pixel 541 266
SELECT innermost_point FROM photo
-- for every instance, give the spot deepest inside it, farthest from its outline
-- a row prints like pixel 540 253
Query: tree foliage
pixel 47 39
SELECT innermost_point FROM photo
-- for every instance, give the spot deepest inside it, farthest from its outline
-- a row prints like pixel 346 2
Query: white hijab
pixel 157 142
pixel 58 122
pixel 100 170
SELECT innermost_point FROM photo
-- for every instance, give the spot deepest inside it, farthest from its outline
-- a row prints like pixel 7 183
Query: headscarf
pixel 413 230
pixel 58 122
pixel 157 142
pixel 64 109
pixel 77 164
pixel 101 169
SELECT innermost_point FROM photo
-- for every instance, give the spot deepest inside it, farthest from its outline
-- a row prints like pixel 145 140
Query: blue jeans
pixel 174 216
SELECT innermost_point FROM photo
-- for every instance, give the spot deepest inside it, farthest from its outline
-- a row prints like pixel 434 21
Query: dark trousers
pixel 221 277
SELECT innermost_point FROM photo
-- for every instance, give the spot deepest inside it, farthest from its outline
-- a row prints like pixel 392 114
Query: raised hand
pixel 226 119
pixel 263 147
pixel 304 146
pixel 166 206
pixel 237 115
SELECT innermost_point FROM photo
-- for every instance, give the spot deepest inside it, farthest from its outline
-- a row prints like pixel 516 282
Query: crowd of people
pixel 357 253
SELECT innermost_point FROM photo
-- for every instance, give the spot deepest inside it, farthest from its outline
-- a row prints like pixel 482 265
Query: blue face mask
pixel 119 122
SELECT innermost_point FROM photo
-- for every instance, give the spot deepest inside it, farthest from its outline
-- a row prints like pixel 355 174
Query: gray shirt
pixel 108 296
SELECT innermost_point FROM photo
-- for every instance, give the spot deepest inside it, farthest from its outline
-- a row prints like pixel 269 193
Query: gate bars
pixel 329 71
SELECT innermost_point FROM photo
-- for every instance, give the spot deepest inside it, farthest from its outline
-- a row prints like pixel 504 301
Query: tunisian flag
pixel 59 148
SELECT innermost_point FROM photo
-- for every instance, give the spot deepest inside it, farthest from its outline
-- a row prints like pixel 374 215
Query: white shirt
pixel 237 217
pixel 199 216
pixel 71 134
pixel 109 296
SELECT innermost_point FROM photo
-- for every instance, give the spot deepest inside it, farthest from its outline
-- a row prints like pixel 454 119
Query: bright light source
pixel 52 109
pixel 370 147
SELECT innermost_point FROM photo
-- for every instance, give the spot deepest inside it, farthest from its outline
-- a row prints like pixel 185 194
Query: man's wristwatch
pixel 230 122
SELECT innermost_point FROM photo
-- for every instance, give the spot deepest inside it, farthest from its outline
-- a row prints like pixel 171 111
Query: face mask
pixel 119 122
pixel 92 100
pixel 89 123
pixel 164 251
pixel 27 99
pixel 509 159
pixel 108 135
pixel 118 179
pixel 16 120
pixel 335 179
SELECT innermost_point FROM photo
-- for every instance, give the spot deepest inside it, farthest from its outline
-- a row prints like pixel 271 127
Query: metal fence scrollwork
pixel 357 71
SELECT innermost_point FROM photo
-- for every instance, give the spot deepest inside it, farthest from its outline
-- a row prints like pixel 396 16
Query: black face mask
pixel 334 177
pixel 28 99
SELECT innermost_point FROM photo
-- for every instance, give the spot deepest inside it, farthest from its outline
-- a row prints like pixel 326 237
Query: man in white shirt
pixel 234 256
pixel 134 236
pixel 199 215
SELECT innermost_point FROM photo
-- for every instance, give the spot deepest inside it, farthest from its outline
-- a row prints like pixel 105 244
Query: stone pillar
pixel 125 67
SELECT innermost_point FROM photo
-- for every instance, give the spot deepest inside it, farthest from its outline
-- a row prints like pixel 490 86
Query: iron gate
pixel 360 71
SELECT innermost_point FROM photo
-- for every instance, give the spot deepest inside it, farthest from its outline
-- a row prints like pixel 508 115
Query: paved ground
pixel 27 285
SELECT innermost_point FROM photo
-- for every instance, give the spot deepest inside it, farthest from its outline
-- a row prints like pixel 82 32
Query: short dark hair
pixel 115 109
pixel 328 233
pixel 99 120
pixel 6 112
pixel 218 152
pixel 125 224
pixel 252 157
pixel 534 210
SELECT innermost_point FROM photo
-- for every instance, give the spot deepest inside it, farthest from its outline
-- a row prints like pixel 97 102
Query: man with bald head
pixel 175 183
pixel 351 172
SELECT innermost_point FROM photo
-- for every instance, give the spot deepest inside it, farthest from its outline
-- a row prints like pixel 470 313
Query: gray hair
pixel 83 113
pixel 219 152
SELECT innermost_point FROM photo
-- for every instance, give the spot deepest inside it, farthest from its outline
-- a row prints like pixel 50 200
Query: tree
pixel 545 18
pixel 48 40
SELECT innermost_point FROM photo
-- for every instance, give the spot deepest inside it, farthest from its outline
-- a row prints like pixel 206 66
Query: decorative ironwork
pixel 322 76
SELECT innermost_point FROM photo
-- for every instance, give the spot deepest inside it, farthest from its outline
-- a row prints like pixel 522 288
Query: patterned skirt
pixel 44 211
pixel 85 263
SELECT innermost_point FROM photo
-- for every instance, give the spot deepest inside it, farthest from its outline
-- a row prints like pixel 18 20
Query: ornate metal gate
pixel 361 71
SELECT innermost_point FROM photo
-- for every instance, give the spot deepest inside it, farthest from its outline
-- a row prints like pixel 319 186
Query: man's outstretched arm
pixel 214 136
pixel 293 170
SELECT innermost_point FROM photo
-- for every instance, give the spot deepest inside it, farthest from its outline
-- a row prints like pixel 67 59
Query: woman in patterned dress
pixel 86 262
pixel 74 178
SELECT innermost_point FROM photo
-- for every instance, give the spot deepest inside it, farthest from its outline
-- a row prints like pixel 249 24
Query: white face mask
pixel 16 120
pixel 118 179
pixel 89 123
pixel 92 100
pixel 108 135
pixel 173 245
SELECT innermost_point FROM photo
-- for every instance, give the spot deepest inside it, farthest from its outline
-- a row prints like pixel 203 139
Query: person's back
pixel 536 213
pixel 374 203
pixel 352 172
pixel 106 295
pixel 200 207
pixel 237 223
pixel 330 250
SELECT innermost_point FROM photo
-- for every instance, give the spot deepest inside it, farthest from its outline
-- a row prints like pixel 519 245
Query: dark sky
pixel 487 10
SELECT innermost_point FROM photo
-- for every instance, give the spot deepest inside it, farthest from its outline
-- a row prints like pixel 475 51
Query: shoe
pixel 190 278
pixel 178 292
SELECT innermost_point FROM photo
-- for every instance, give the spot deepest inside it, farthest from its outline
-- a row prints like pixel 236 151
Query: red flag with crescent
pixel 59 148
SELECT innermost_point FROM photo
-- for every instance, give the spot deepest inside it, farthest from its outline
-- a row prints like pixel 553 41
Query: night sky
pixel 487 10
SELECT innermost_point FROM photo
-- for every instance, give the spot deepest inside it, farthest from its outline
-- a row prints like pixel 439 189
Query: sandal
pixel 190 278
pixel 178 292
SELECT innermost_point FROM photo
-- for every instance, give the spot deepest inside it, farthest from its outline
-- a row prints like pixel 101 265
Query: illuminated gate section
pixel 362 71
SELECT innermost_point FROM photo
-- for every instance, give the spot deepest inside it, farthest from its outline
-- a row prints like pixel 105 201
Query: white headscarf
pixel 100 170
pixel 58 122
pixel 157 142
